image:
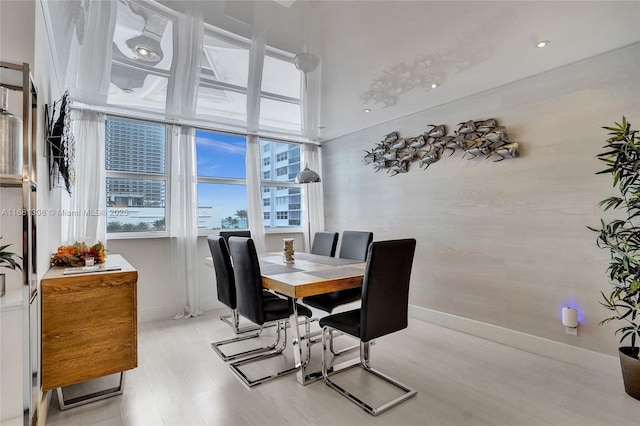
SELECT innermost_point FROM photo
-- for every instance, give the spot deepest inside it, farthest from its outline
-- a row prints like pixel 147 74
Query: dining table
pixel 308 275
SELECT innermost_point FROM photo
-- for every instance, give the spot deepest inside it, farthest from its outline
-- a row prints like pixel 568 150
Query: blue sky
pixel 221 155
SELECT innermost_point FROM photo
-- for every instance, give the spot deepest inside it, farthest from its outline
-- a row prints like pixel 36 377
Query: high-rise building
pixel 281 205
pixel 135 147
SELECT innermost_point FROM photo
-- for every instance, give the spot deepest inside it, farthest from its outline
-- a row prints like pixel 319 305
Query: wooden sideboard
pixel 89 324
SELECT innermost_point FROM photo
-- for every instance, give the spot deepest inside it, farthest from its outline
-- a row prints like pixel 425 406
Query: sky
pixel 221 155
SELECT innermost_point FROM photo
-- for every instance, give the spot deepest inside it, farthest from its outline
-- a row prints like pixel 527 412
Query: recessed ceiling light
pixel 127 90
pixel 143 51
pixel 434 85
pixel 367 110
pixel 542 43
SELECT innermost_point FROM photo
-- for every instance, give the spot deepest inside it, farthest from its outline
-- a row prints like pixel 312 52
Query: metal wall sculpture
pixel 476 138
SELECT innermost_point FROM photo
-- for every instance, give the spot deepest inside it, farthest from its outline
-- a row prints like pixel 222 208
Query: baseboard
pixel 591 360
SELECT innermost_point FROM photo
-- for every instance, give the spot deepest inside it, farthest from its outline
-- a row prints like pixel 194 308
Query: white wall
pixel 23 39
pixel 152 258
pixel 502 243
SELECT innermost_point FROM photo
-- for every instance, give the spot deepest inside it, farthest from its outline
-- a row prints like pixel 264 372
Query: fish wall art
pixel 484 138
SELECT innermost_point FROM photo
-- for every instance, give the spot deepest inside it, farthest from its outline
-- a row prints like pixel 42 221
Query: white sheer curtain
pixel 253 178
pixel 90 82
pixel 310 129
pixel 88 196
pixel 315 192
pixel 181 101
pixel 183 222
pixel 183 217
pixel 254 197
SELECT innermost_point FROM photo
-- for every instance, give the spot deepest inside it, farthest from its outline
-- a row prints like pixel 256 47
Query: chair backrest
pixel 355 245
pixel 225 279
pixel 325 243
pixel 235 233
pixel 248 279
pixel 385 289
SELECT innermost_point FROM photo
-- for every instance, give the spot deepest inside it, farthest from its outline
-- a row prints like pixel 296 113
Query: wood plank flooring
pixel 460 379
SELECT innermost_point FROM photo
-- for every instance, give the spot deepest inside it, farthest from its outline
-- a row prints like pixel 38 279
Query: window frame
pixel 161 177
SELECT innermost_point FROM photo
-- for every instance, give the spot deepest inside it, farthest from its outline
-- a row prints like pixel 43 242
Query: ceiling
pixel 384 55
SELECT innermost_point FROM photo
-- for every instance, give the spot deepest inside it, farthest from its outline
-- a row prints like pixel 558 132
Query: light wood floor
pixel 460 379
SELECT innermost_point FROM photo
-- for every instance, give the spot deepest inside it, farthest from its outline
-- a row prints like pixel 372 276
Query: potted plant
pixel 622 238
pixel 8 260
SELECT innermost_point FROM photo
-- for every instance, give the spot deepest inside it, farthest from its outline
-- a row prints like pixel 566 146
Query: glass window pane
pixel 281 207
pixel 143 36
pixel 225 61
pixel 222 206
pixel 220 154
pixel 135 205
pixel 225 106
pixel 135 88
pixel 281 77
pixel 279 115
pixel 135 146
pixel 280 161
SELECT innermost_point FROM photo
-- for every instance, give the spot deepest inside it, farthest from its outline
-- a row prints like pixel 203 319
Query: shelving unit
pixel 17 77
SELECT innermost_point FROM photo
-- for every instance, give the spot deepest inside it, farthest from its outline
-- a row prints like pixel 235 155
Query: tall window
pixel 136 165
pixel 281 204
pixel 222 188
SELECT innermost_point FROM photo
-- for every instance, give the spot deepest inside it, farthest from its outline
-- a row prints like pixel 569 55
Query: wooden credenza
pixel 89 324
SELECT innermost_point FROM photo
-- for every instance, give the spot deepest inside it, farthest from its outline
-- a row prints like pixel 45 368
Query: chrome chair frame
pixel 362 362
pixel 282 325
pixel 384 310
pixel 235 323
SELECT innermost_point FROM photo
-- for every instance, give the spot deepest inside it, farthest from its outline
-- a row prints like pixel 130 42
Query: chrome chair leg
pixel 364 363
pixel 235 366
pixel 233 319
pixel 216 346
pixel 332 347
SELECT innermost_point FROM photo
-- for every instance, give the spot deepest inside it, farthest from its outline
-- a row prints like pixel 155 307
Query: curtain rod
pixel 191 123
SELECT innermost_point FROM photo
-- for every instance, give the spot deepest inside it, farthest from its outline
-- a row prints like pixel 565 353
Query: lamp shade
pixel 307 176
pixel 306 62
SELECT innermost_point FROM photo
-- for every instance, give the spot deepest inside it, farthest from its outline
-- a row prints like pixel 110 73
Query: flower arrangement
pixel 75 254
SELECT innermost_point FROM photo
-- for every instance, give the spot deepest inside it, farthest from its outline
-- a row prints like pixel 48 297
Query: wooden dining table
pixel 307 275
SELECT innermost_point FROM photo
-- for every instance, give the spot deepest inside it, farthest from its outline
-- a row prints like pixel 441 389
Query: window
pixel 266 161
pixel 136 165
pixel 266 202
pixel 283 194
pixel 222 190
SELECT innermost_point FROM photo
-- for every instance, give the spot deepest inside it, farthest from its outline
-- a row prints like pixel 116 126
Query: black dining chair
pixel 226 289
pixel 384 310
pixel 325 243
pixel 234 233
pixel 354 246
pixel 228 295
pixel 261 310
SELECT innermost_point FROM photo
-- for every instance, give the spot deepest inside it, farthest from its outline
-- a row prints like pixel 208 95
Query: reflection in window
pixel 132 148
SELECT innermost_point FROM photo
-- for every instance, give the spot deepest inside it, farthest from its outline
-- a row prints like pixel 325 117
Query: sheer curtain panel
pixel 88 201
pixel 183 223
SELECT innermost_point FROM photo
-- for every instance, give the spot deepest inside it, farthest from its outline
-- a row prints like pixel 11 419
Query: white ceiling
pixel 470 46
pixel 467 46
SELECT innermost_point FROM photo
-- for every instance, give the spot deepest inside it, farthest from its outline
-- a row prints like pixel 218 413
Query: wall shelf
pixel 17 77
